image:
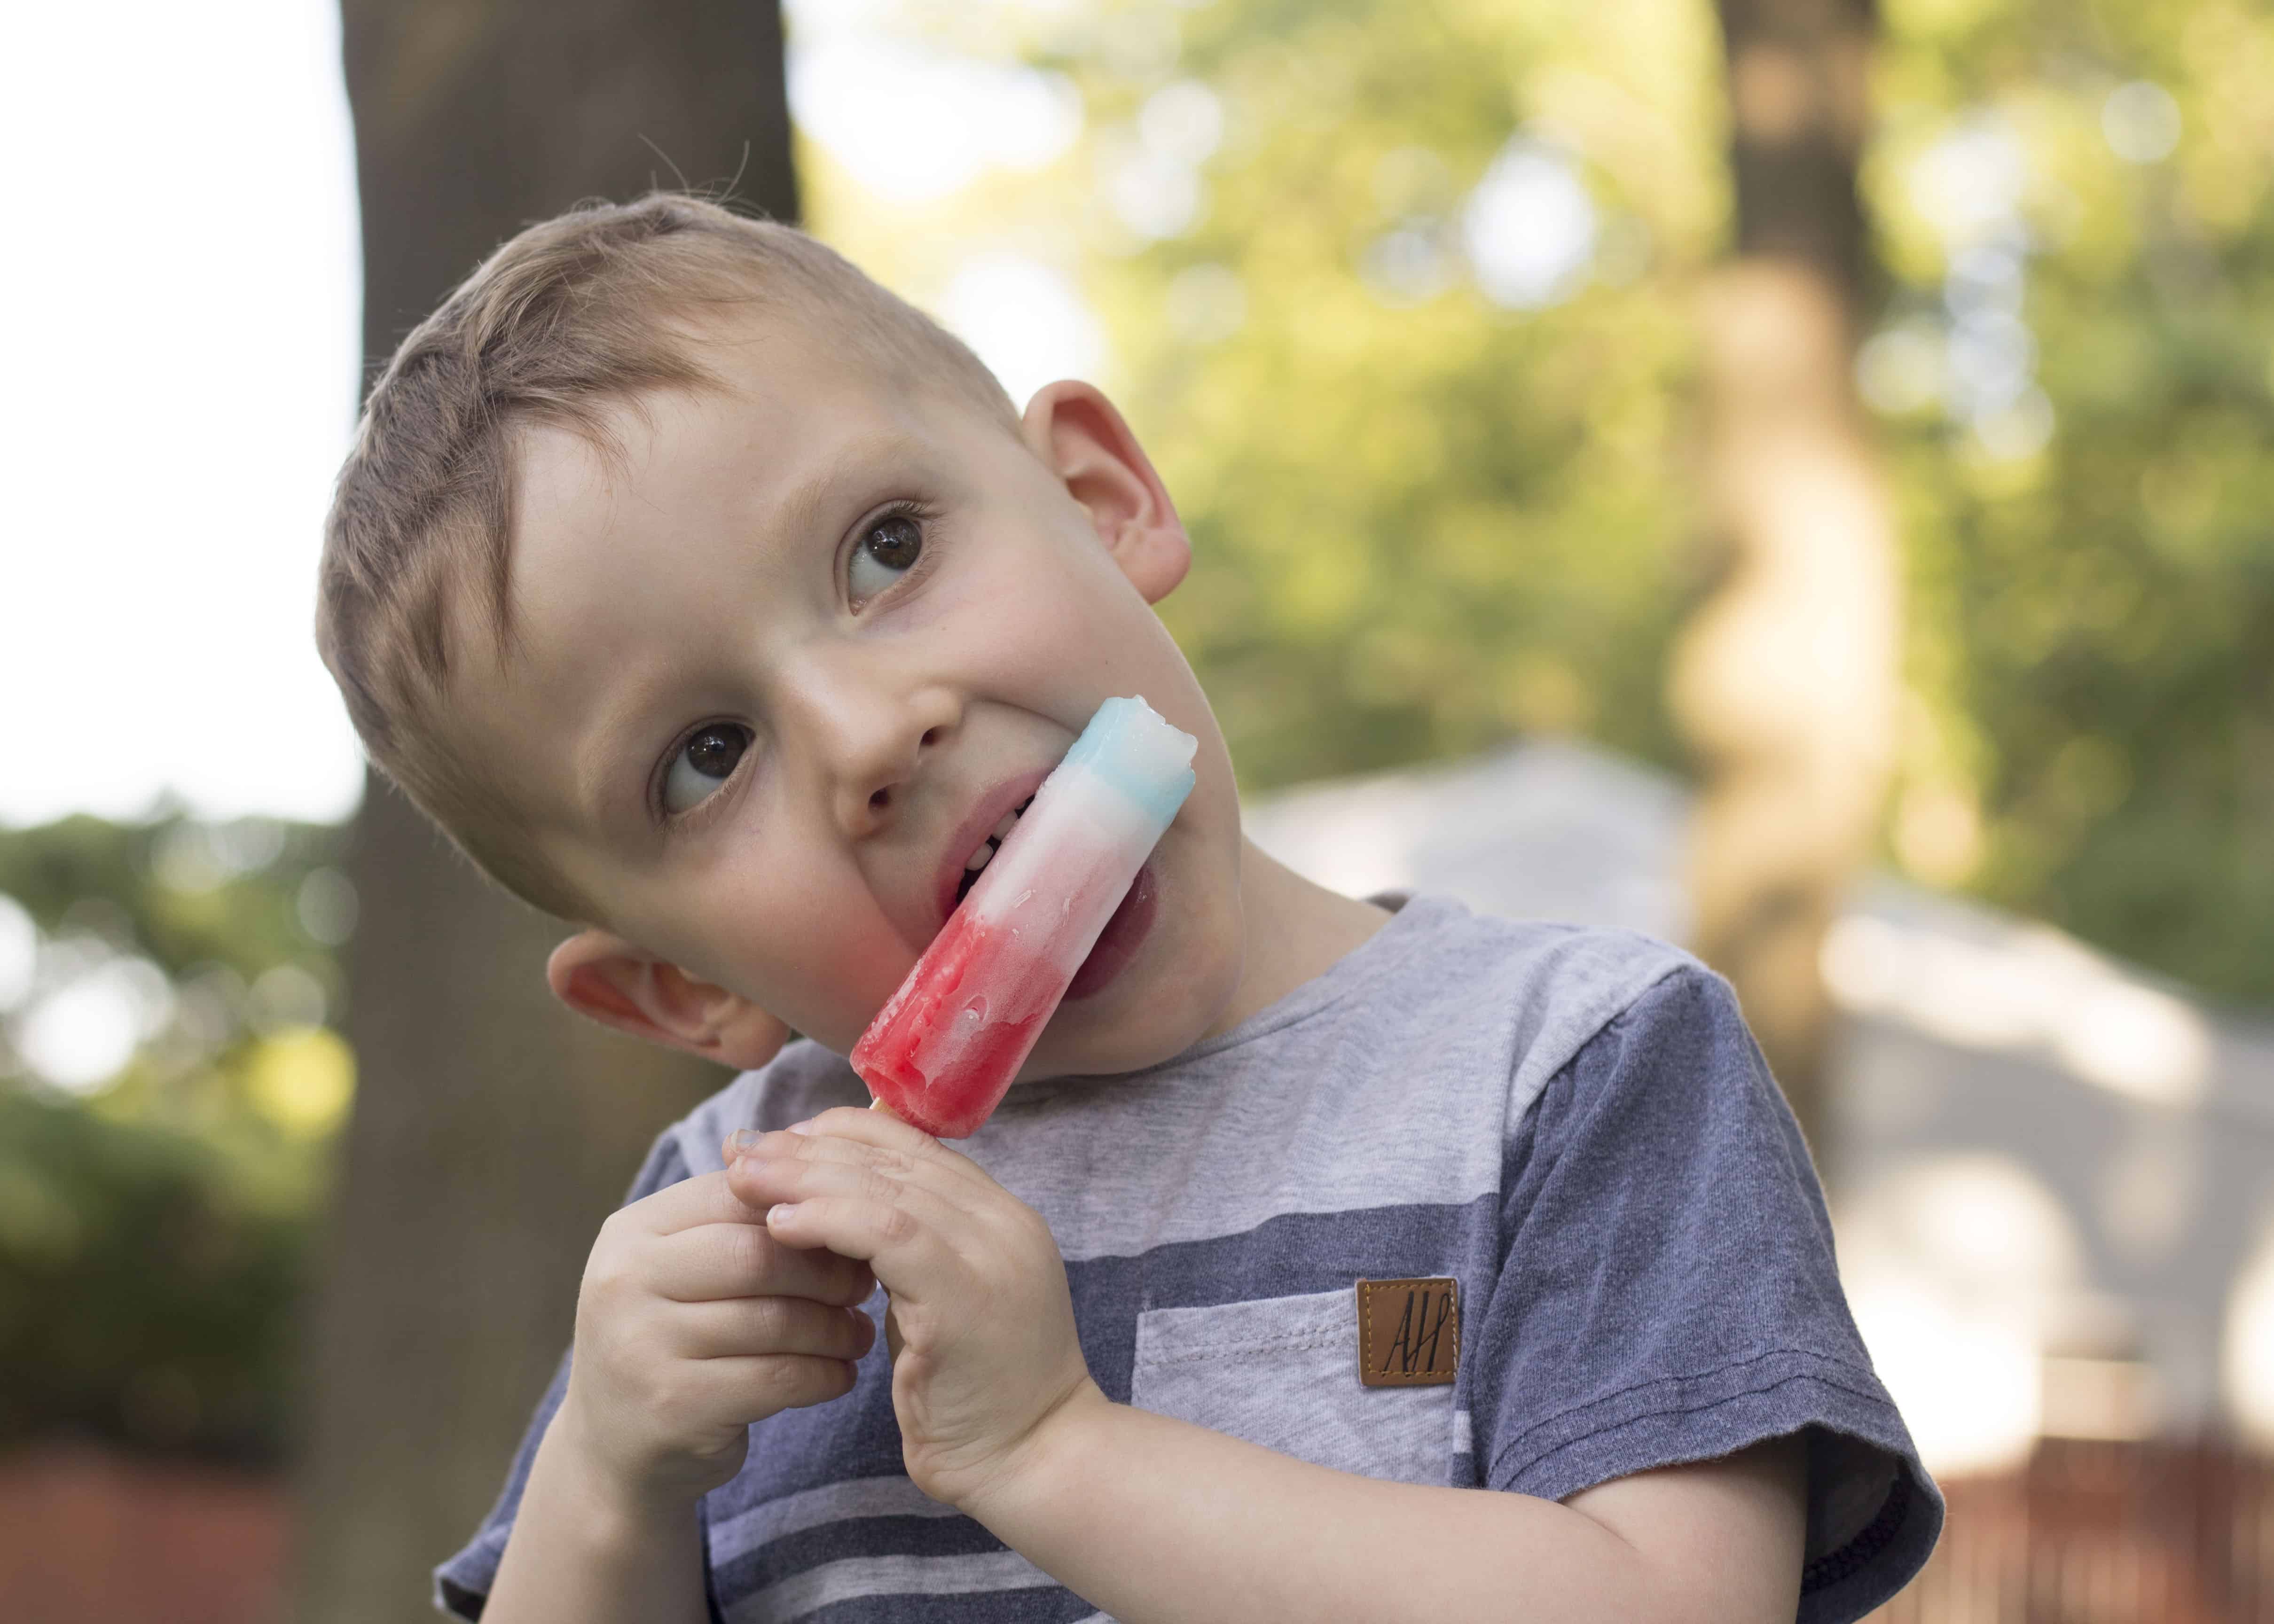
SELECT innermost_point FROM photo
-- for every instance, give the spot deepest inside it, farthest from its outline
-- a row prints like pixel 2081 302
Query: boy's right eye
pixel 888 549
pixel 706 760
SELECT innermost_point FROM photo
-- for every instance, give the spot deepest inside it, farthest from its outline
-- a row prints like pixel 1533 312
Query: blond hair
pixel 571 317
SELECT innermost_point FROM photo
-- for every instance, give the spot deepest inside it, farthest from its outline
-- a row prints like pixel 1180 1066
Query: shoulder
pixel 1666 1105
pixel 803 1080
pixel 1563 971
pixel 1678 1048
pixel 1540 993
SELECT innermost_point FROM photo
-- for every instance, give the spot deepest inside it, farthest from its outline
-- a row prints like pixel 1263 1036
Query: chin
pixel 1167 999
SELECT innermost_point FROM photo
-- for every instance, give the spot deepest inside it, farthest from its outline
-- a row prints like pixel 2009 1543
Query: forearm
pixel 579 1554
pixel 1156 1521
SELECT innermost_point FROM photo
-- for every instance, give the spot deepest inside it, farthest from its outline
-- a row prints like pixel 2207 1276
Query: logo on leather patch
pixel 1409 1332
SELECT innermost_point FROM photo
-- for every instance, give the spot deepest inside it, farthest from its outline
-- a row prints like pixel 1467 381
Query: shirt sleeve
pixel 1668 1293
pixel 462 1585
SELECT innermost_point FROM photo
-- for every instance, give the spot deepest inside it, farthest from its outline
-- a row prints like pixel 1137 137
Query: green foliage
pixel 191 895
pixel 155 1222
pixel 1422 522
pixel 139 1300
pixel 2094 621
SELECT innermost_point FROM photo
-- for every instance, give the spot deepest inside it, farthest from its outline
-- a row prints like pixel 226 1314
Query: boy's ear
pixel 1079 436
pixel 621 985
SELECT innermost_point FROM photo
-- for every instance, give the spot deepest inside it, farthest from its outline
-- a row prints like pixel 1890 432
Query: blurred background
pixel 1789 475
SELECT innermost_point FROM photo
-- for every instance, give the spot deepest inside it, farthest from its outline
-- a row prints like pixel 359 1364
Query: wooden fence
pixel 88 1536
pixel 2104 1533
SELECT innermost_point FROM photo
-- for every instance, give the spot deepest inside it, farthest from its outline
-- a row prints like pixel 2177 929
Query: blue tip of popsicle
pixel 1131 747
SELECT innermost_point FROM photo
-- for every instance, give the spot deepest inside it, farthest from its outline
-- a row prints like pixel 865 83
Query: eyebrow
pixel 598 782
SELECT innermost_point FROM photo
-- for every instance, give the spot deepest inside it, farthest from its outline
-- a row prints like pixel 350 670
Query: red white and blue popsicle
pixel 942 1051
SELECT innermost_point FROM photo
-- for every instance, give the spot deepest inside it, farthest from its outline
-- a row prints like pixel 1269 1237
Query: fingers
pixel 722 1260
pixel 854 1208
pixel 877 1126
pixel 866 1184
pixel 762 1384
pixel 856 1173
pixel 752 1325
pixel 869 1138
pixel 704 1198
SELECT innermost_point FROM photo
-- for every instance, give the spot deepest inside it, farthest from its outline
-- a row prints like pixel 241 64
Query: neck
pixel 1295 930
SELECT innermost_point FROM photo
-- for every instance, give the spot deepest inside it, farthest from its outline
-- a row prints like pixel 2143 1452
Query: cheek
pixel 800 940
pixel 1060 629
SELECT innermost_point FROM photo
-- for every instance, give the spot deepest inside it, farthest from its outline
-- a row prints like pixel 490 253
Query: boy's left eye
pixel 887 551
pixel 703 763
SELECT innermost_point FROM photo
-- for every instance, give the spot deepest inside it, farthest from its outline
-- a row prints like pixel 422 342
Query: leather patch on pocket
pixel 1409 1332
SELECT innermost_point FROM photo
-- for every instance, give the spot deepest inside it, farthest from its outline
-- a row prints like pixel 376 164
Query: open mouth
pixel 984 851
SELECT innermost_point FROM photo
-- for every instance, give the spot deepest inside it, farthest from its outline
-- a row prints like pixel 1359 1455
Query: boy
pixel 1331 1258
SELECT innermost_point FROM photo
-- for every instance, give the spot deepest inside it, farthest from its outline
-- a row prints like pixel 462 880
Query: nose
pixel 870 729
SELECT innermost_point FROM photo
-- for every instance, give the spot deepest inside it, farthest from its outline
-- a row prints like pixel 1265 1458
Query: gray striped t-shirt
pixel 1574 1124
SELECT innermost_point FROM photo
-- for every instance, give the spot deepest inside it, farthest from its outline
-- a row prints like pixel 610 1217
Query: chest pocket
pixel 1283 1372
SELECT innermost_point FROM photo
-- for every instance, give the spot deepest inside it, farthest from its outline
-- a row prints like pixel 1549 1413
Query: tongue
pixel 1119 941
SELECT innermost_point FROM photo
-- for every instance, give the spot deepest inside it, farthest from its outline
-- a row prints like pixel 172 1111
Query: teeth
pixel 979 859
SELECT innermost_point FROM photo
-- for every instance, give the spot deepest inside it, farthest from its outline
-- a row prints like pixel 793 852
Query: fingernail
pixel 741 1139
pixel 802 1127
pixel 781 1212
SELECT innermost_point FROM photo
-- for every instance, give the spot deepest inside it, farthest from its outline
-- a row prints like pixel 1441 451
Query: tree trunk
pixel 492 1131
pixel 1784 683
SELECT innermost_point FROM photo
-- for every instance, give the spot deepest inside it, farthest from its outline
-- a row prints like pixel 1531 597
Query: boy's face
pixel 780 669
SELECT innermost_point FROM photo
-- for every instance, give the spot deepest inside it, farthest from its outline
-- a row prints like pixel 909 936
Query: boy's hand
pixel 693 1323
pixel 981 1325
